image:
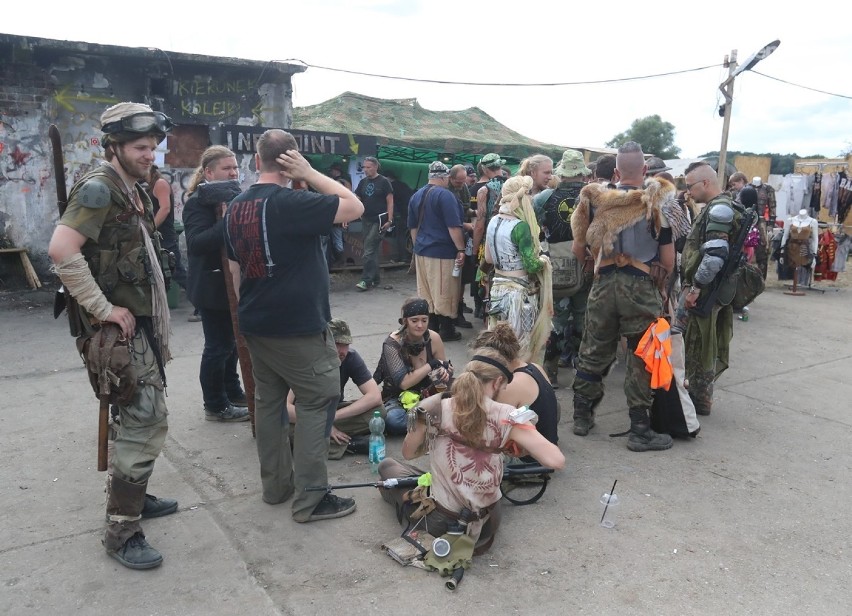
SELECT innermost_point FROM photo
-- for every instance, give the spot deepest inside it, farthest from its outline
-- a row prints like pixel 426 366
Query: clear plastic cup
pixel 610 504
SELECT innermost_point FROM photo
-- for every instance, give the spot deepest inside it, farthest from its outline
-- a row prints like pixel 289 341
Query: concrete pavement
pixel 752 517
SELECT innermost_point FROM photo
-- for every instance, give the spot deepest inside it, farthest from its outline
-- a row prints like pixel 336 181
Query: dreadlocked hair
pixel 502 338
pixel 469 414
pixel 208 157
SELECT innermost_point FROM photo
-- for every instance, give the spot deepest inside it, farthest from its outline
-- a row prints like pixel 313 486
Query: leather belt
pixel 625 260
pixel 473 517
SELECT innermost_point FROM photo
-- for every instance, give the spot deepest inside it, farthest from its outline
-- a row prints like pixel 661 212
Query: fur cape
pixel 617 210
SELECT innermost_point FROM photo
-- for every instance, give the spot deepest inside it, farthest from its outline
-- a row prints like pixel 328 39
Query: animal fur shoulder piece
pixel 616 210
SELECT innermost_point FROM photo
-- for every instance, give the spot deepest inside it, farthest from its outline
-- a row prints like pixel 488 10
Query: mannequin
pixel 799 244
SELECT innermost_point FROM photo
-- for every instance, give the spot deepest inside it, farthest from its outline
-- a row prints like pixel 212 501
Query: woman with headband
pixel 466 435
pixel 413 359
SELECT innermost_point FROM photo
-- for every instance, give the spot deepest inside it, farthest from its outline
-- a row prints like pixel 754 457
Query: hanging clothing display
pixel 829 193
pixel 815 184
pixel 841 251
pixel 825 257
pixel 844 196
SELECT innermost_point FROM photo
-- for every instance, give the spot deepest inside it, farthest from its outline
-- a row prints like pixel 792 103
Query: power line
pixel 502 85
pixel 796 85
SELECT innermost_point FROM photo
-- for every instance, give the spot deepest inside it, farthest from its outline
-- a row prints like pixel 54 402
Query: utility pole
pixel 727 89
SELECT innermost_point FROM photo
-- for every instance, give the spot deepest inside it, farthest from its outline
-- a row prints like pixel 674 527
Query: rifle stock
pixel 704 306
pixel 509 472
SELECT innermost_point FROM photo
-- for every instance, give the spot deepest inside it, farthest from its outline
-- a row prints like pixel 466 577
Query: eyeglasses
pixel 689 186
pixel 144 122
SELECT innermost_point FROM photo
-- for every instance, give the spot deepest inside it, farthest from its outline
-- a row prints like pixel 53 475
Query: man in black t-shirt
pixel 376 192
pixel 352 418
pixel 273 235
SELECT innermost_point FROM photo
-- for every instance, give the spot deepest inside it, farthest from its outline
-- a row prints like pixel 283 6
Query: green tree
pixel 655 136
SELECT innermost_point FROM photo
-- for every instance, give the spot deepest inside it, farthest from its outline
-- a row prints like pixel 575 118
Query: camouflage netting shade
pixel 403 122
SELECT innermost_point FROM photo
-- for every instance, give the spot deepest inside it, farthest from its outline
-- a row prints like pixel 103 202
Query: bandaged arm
pixel 74 272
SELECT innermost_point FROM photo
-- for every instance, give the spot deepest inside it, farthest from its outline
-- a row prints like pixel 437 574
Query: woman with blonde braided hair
pixel 521 288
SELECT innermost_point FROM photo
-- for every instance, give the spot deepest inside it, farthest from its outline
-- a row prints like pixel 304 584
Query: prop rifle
pixel 704 306
pixel 513 474
pixel 221 193
pixel 63 301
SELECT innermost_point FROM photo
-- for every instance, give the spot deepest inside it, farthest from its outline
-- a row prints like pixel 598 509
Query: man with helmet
pixel 107 254
pixel 707 249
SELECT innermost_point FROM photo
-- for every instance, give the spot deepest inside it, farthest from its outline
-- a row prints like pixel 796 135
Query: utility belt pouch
pixel 106 355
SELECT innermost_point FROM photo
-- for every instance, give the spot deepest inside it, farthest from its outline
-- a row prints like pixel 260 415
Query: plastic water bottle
pixel 377 441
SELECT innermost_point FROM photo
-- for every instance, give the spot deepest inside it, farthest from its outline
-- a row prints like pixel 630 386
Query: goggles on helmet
pixel 142 123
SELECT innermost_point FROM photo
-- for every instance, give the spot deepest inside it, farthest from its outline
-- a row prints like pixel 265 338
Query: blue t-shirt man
pixel 441 213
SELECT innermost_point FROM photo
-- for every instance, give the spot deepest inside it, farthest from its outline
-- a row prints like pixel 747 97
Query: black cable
pixel 790 83
pixel 513 85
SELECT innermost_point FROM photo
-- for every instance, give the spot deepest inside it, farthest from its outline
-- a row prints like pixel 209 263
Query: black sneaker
pixel 229 413
pixel 239 400
pixel 158 507
pixel 359 445
pixel 331 507
pixel 137 554
pixel 648 441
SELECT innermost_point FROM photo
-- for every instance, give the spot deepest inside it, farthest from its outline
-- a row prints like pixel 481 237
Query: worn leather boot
pixel 584 414
pixel 551 367
pixel 434 323
pixel 124 539
pixel 460 321
pixel 448 329
pixel 641 436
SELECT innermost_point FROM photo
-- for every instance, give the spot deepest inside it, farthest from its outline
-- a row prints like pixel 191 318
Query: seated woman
pixel 529 386
pixel 467 434
pixel 521 286
pixel 409 355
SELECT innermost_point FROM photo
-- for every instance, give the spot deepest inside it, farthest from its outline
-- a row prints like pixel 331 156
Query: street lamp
pixel 727 88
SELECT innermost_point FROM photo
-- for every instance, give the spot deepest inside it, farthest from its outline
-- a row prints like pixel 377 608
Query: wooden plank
pixel 30 272
pixel 12 250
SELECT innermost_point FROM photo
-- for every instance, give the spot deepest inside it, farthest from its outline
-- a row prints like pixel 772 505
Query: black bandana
pixel 413 349
pixel 419 307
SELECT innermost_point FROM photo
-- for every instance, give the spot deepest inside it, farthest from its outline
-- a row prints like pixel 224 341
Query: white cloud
pixel 501 42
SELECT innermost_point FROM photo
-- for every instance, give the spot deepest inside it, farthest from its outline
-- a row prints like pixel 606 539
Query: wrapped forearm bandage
pixel 75 274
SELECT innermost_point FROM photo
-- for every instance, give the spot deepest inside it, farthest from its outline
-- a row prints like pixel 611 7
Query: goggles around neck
pixel 142 123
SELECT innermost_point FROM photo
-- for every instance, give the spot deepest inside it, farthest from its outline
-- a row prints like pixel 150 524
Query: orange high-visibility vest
pixel 655 348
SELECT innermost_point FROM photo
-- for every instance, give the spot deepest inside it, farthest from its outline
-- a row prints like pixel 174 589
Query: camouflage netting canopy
pixel 403 122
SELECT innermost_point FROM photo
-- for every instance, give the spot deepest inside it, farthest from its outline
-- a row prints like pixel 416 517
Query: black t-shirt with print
pixel 373 194
pixel 284 287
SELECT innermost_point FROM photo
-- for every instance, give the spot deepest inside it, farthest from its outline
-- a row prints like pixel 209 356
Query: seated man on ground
pixel 351 428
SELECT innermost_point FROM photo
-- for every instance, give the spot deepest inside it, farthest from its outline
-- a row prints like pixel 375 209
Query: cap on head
pixel 126 121
pixel 470 170
pixel 492 161
pixel 340 331
pixel 656 165
pixel 572 165
pixel 438 170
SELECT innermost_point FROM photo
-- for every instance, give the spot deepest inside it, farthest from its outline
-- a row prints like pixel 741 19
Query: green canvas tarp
pixel 404 123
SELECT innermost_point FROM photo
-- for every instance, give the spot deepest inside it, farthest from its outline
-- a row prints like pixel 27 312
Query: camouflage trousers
pixel 569 318
pixel 761 251
pixel 620 304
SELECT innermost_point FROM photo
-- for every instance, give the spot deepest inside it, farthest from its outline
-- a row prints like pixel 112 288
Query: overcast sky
pixel 551 42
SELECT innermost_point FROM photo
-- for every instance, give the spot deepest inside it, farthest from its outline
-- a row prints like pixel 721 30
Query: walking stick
pixel 242 347
pixel 62 299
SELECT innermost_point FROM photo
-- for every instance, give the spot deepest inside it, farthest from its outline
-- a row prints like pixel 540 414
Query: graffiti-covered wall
pixel 69 84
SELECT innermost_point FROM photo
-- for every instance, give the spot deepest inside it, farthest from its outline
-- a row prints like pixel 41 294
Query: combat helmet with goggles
pixel 128 121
